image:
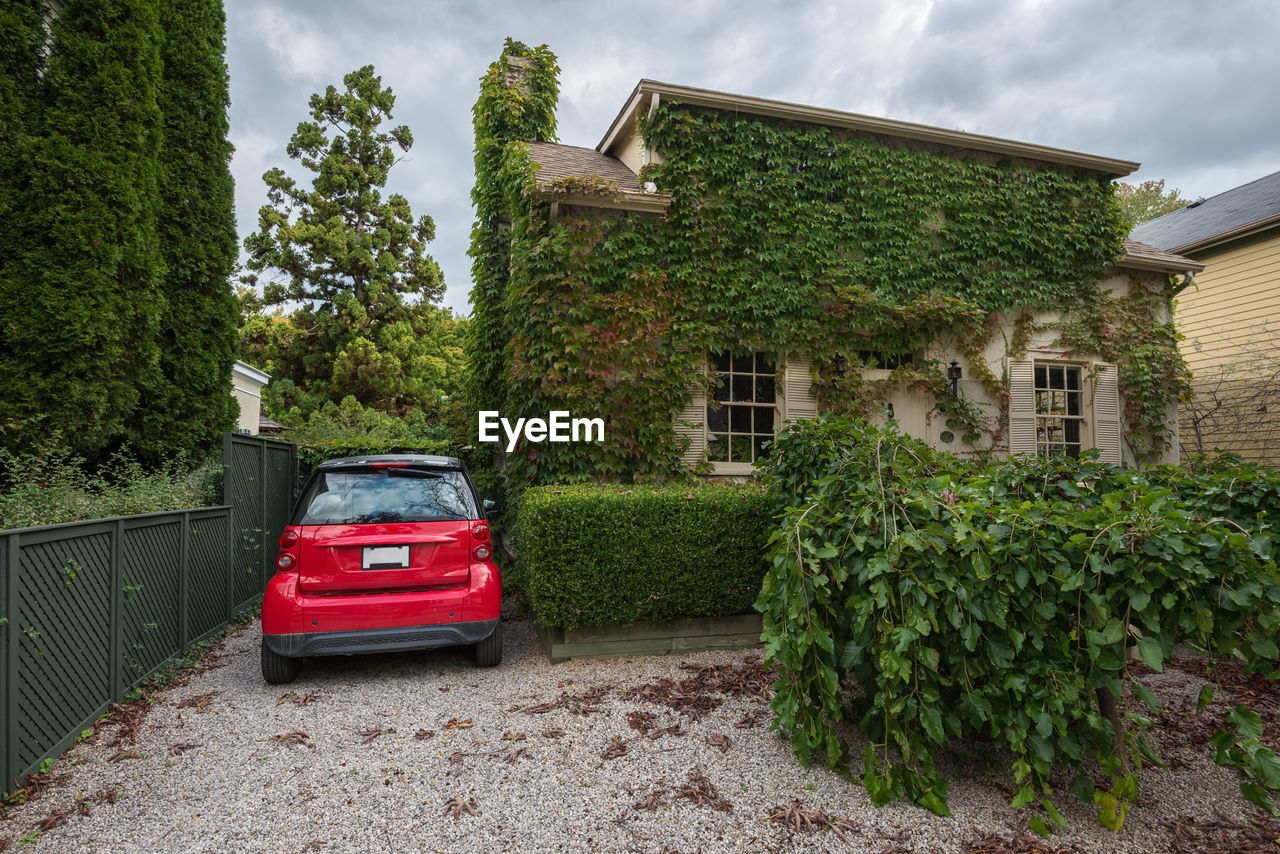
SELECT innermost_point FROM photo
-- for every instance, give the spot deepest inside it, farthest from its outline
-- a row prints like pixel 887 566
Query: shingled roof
pixel 1235 213
pixel 572 161
pixel 1146 257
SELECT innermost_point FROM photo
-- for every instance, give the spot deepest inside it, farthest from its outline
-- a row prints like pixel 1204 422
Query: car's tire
pixel 278 669
pixel 489 651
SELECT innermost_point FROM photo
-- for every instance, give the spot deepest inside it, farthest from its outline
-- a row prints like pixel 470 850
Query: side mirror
pixel 490 507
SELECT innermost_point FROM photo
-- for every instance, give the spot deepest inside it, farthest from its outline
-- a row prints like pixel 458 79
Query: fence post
pixel 9 751
pixel 117 594
pixel 229 570
pixel 262 505
pixel 184 583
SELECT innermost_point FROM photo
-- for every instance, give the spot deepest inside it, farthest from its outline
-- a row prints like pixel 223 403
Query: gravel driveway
pixel 424 752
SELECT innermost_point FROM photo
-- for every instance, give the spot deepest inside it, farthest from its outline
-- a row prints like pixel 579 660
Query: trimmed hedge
pixel 595 555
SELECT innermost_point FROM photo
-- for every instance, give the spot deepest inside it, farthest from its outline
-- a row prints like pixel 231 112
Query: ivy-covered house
pixel 720 264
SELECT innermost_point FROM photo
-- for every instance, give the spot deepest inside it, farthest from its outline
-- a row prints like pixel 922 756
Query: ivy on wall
pixel 780 236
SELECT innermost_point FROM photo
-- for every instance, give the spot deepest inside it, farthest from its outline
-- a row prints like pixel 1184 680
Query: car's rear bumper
pixel 398 639
pixel 288 611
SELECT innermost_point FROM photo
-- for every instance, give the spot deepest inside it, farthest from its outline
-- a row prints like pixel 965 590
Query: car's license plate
pixel 385 557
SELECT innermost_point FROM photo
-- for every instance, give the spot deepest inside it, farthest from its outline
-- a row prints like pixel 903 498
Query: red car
pixel 383 554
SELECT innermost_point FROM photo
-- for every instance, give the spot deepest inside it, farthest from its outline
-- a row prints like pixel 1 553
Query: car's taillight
pixel 481 552
pixel 288 557
pixel 480 531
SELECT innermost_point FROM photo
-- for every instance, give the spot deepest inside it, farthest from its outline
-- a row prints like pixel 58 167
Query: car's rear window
pixel 382 495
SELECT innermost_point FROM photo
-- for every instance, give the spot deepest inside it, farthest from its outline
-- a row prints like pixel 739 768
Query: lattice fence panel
pixel 63 634
pixel 151 579
pixel 207 605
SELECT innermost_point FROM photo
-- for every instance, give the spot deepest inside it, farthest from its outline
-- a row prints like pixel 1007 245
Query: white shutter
pixel 694 416
pixel 798 389
pixel 1022 407
pixel 1106 412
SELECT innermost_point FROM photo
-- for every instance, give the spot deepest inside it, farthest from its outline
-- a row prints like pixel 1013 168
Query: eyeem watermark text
pixel 558 427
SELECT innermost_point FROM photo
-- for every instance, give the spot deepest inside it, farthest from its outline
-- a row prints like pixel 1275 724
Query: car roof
pixel 411 459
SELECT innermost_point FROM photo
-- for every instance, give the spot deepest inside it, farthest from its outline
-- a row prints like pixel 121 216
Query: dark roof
pixel 266 424
pixel 1141 255
pixel 408 459
pixel 571 161
pixel 1226 214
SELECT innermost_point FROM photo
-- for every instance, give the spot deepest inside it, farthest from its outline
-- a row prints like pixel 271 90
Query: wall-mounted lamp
pixel 841 364
pixel 890 408
pixel 954 373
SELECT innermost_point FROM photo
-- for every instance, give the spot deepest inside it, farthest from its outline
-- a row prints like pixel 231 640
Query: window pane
pixel 720 388
pixel 742 388
pixel 1042 380
pixel 761 446
pixel 766 363
pixel 764 420
pixel 721 362
pixel 740 419
pixel 1073 402
pixel 1071 429
pixel 1057 377
pixel 740 449
pixel 1059 402
pixel 1042 402
pixel 1073 378
pixel 766 391
pixel 718 418
pixel 742 364
pixel 718 448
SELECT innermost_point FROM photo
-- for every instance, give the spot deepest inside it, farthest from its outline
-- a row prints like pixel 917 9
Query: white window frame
pixel 1100 407
pixel 793 399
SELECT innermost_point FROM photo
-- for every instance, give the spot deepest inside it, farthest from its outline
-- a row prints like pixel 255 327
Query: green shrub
pixel 1003 603
pixel 51 485
pixel 598 555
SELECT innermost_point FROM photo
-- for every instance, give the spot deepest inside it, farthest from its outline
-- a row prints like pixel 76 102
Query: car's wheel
pixel 489 650
pixel 278 669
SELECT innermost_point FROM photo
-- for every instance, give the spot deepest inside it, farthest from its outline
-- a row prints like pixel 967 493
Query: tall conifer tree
pixel 80 325
pixel 190 404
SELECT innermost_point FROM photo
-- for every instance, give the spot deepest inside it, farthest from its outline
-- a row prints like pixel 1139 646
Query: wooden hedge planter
pixel 644 637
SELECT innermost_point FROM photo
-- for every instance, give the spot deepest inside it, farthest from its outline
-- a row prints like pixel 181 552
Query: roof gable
pixel 650 91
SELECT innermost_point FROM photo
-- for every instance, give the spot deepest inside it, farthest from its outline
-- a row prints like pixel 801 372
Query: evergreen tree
pixel 353 260
pixel 190 404
pixel 83 292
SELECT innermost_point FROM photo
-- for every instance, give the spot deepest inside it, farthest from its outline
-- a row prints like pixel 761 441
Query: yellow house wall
pixel 1230 320
pixel 248 409
pixel 1233 308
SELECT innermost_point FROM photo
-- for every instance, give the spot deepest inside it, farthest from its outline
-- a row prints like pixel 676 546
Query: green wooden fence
pixel 90 610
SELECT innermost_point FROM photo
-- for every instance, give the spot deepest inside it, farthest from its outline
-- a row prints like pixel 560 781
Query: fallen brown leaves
pixel 513 736
pixel 298 700
pixel 798 818
pixel 553 733
pixel 718 740
pixel 616 748
pixel 294 739
pixel 515 753
pixel 701 791
pixel 371 733
pixel 582 703
pixel 1021 841
pixel 1223 836
pixel 123 754
pixel 424 734
pixel 179 749
pixel 199 701
pixel 696 695
pixel 454 723
pixel 456 806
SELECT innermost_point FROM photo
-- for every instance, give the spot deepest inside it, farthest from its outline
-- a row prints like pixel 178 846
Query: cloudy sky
pixel 1186 87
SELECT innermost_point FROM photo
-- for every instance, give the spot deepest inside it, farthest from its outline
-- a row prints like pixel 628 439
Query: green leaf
pixel 1205 698
pixel 1143 693
pixel 931 719
pixel 1082 788
pixel 1258 795
pixel 1151 653
pixel 1037 824
pixel 934 803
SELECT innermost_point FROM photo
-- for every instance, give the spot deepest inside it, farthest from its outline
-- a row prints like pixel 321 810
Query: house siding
pixel 1230 320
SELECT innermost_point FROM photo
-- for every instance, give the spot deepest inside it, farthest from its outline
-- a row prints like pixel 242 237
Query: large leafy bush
pixel 1002 603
